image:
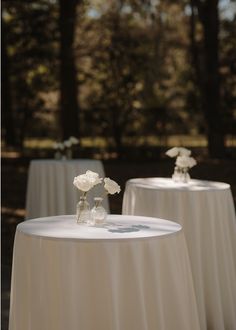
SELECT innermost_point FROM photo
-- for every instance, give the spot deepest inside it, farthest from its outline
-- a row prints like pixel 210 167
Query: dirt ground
pixel 14 184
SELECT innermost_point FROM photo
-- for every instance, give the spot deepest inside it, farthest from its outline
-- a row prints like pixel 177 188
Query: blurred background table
pixel 132 273
pixel 205 209
pixel 50 189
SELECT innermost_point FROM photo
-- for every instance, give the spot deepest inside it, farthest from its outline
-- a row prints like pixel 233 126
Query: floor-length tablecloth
pixel 206 211
pixel 50 189
pixel 131 274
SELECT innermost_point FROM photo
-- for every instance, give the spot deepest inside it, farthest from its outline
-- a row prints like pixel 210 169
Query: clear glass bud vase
pixel 57 155
pixel 69 153
pixel 185 178
pixel 177 174
pixel 98 212
pixel 83 213
pixel 181 175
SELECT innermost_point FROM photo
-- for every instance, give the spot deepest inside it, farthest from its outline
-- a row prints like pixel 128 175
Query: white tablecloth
pixel 131 274
pixel 206 211
pixel 50 189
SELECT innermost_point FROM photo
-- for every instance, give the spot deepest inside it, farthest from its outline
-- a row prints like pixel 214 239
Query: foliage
pixel 31 37
pixel 135 63
pixel 228 73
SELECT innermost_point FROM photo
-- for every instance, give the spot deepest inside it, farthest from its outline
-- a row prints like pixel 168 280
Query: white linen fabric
pixel 50 189
pixel 69 276
pixel 206 211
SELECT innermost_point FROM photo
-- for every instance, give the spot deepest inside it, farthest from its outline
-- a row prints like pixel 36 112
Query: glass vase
pixel 83 213
pixel 177 174
pixel 57 155
pixel 181 175
pixel 185 178
pixel 98 212
pixel 69 153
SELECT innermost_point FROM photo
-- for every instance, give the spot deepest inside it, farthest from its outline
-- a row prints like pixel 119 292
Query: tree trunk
pixel 117 133
pixel 68 82
pixel 7 110
pixel 194 49
pixel 209 16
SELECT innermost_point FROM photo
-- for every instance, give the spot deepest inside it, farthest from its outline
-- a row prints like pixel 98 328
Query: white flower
pixel 67 143
pixel 73 140
pixel 55 145
pixel 111 186
pixel 61 146
pixel 184 151
pixel 192 162
pixel 94 177
pixel 83 183
pixel 86 181
pixel 178 151
pixel 173 152
pixel 185 162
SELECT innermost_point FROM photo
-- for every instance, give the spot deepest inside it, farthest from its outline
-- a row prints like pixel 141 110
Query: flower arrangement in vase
pixel 85 182
pixel 64 150
pixel 183 163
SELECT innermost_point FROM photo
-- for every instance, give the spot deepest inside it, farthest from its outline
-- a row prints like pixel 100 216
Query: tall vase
pixel 177 174
pixel 185 175
pixel 69 153
pixel 83 213
pixel 98 212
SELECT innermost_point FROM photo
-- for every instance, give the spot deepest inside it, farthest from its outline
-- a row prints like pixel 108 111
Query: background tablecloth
pixel 50 189
pixel 206 211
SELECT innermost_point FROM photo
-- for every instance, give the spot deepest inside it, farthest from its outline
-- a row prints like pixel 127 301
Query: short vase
pixel 181 175
pixel 83 213
pixel 57 155
pixel 177 174
pixel 98 212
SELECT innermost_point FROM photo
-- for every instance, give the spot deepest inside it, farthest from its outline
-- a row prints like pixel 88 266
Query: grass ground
pixel 14 181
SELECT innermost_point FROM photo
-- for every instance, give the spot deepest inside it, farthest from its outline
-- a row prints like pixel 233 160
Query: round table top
pixel 117 227
pixel 169 184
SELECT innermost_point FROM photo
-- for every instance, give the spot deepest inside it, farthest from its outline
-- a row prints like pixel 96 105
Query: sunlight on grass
pixel 35 143
pixel 152 141
pixel 13 212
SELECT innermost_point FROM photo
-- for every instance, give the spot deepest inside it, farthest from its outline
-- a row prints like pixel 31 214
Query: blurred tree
pixel 7 118
pixel 167 77
pixel 122 69
pixel 111 65
pixel 29 63
pixel 68 81
pixel 132 70
pixel 228 73
pixel 208 13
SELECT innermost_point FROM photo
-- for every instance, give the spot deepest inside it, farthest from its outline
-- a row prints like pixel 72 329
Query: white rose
pixel 173 152
pixel 184 151
pixel 67 143
pixel 93 177
pixel 86 181
pixel 192 162
pixel 111 186
pixel 83 183
pixel 185 161
pixel 73 140
pixel 55 145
